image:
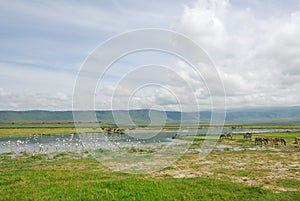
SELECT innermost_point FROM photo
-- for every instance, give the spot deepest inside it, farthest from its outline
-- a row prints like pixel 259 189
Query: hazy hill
pixel 241 116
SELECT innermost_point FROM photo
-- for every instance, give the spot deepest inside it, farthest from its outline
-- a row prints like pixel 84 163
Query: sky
pixel 253 44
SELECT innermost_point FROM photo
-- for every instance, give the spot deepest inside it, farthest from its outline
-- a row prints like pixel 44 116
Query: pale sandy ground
pixel 249 167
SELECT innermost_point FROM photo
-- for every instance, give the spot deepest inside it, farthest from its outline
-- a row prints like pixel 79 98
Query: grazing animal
pixel 259 140
pixel 106 130
pixel 248 135
pixel 229 135
pixel 281 140
pixel 297 139
pixel 222 136
pixel 267 140
pixel 119 130
pixel 116 130
pixel 225 135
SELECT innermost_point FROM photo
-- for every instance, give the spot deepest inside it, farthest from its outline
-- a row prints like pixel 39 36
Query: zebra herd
pixel 260 140
pixel 113 130
pixel 226 135
pixel 110 130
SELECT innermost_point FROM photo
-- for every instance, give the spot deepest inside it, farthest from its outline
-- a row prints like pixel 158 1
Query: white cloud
pixel 206 21
pixel 34 88
pixel 19 79
pixel 257 58
pixel 4 93
pixel 36 100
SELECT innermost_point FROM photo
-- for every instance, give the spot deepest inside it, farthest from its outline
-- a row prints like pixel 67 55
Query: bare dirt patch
pixel 253 168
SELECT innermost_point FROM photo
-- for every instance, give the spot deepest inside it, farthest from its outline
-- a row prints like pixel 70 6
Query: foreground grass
pixel 223 175
pixel 70 177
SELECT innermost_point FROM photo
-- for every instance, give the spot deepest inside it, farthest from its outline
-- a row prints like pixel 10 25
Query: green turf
pixel 69 177
pixel 66 127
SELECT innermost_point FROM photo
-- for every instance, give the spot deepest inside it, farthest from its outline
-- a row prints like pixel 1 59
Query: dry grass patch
pixel 253 168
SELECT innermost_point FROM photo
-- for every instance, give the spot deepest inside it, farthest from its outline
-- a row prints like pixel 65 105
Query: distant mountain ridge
pixel 234 116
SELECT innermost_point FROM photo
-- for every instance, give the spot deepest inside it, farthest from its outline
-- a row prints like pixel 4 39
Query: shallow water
pixel 77 142
pixel 40 144
pixel 238 148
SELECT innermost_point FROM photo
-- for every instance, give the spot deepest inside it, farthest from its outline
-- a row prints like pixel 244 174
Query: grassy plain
pixel 248 174
pixel 69 176
pixel 47 128
pixel 9 132
pixel 53 127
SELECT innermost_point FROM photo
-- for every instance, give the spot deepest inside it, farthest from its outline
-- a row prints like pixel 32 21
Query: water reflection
pixel 75 142
pixel 40 144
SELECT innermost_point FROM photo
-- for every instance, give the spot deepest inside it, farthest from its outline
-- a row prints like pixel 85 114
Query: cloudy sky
pixel 254 45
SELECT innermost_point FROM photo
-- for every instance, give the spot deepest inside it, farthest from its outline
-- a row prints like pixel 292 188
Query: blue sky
pixel 254 45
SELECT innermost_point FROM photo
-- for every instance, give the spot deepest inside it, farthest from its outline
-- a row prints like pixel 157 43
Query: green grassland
pixel 48 128
pixel 239 141
pixel 68 127
pixel 8 132
pixel 222 175
pixel 68 176
pixel 289 137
